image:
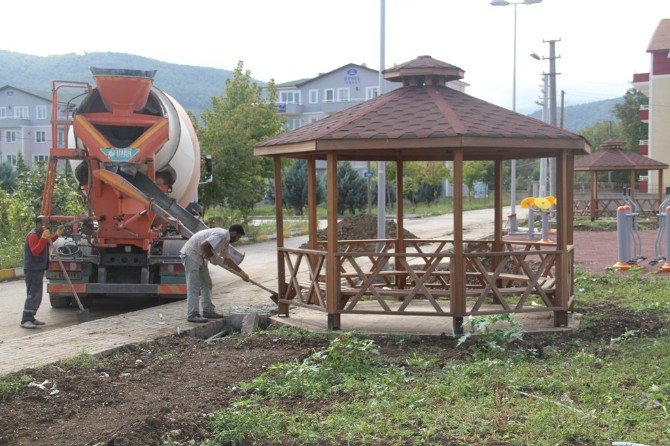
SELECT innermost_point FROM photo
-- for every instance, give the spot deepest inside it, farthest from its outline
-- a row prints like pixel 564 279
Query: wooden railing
pixel 520 277
pixel 606 207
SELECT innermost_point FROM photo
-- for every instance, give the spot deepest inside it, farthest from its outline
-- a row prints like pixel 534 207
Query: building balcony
pixel 644 147
pixel 644 113
pixel 641 83
pixel 289 109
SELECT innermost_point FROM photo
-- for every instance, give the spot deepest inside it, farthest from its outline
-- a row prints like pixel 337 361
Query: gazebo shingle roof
pixel 425 119
pixel 613 157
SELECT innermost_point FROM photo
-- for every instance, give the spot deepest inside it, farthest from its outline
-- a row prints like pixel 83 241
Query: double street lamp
pixel 512 218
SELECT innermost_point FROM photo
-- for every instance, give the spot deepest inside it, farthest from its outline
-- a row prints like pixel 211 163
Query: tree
pixel 294 187
pixel 601 132
pixel 8 177
pixel 352 191
pixel 474 171
pixel 230 129
pixel 628 112
pixel 422 180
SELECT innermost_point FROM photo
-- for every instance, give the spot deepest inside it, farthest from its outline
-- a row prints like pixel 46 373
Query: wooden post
pixel 594 195
pixel 632 184
pixel 312 216
pixel 498 205
pixel 279 217
pixel 457 302
pixel 400 223
pixel 332 267
pixel 564 227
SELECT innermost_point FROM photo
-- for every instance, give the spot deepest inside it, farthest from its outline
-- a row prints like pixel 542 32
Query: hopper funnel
pixel 123 91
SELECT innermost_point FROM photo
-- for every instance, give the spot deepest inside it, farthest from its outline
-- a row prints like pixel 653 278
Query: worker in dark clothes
pixel 35 258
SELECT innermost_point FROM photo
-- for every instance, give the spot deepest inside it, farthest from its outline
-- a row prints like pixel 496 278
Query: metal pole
pixel 545 118
pixel 381 170
pixel 512 217
pixel 552 109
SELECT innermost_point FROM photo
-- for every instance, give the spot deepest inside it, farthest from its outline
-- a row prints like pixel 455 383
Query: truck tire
pixel 60 301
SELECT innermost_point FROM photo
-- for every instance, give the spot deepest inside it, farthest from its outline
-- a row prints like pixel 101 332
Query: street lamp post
pixel 512 217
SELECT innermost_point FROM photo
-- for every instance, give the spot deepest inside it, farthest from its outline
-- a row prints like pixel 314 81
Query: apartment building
pixel 307 100
pixel 25 125
pixel 304 101
pixel 656 86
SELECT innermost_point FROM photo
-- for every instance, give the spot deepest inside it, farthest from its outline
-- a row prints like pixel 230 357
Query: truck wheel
pixel 59 301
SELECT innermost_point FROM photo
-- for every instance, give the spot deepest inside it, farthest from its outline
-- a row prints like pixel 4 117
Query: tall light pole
pixel 512 218
pixel 381 165
pixel 545 118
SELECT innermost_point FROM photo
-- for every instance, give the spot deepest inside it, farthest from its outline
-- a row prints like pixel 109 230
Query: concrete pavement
pixel 20 348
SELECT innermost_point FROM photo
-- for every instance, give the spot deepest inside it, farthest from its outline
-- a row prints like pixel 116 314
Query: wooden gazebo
pixel 613 158
pixel 425 121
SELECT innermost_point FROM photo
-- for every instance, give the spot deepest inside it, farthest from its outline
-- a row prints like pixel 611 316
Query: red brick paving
pixel 595 251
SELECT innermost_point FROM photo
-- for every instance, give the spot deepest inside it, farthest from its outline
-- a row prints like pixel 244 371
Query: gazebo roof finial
pixel 424 70
pixel 613 143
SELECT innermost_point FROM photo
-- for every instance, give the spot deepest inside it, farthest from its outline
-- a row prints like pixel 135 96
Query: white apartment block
pixel 25 125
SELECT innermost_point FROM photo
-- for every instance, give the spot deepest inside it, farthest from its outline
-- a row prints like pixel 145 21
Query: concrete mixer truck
pixel 135 155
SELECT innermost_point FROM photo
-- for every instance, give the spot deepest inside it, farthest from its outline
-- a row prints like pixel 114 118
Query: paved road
pixel 230 293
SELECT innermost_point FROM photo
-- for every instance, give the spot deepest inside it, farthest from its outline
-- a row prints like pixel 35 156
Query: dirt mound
pixel 362 227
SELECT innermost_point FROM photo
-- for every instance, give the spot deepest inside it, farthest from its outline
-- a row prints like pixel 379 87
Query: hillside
pixel 577 117
pixel 191 86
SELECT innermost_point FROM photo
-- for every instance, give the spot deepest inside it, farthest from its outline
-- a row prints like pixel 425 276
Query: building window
pixel 41 111
pixel 11 159
pixel 10 136
pixel 61 139
pixel 292 124
pixel 3 112
pixel 41 136
pixel 342 95
pixel 313 96
pixel 371 92
pixel 21 112
pixel 40 159
pixel 313 119
pixel 289 97
pixel 328 95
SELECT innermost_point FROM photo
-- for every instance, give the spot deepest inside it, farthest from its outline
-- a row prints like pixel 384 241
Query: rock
pixel 250 323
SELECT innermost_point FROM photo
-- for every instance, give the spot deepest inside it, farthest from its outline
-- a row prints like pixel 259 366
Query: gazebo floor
pixel 316 321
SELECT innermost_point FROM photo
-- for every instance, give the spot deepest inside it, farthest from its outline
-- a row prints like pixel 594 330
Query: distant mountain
pixel 191 86
pixel 577 117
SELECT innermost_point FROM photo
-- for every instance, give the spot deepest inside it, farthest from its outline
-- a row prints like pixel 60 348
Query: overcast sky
pixel 602 42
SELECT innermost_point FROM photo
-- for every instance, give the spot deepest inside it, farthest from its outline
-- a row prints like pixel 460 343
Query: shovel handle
pixel 67 276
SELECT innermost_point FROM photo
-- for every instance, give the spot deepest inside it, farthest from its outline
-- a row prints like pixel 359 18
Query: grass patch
pixel 10 387
pixel 632 290
pixel 590 391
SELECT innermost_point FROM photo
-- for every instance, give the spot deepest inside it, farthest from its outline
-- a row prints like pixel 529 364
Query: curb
pixel 11 274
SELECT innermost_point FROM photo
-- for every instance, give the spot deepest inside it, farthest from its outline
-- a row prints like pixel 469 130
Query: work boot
pixel 36 322
pixel 28 324
pixel 197 318
pixel 212 315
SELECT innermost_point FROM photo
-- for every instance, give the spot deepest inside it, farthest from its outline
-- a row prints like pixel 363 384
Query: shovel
pixel 82 314
pixel 273 294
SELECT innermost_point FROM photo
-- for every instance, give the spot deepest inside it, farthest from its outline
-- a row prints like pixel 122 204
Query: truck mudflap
pixel 116 288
